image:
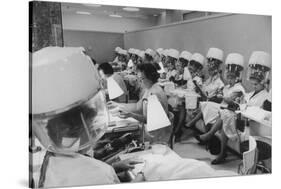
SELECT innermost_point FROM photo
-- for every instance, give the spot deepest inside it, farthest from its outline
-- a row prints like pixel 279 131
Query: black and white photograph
pixel 123 94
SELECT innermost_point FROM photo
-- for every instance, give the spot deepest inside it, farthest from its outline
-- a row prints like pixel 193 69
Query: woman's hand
pixel 124 115
pixel 125 165
pixel 227 99
pixel 112 104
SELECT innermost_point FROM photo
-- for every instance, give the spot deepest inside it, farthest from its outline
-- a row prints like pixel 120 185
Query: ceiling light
pixel 82 12
pixel 115 15
pixel 155 15
pixel 92 5
pixel 131 9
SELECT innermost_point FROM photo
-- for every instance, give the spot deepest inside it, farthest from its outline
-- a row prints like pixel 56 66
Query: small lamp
pixel 156 115
pixel 114 90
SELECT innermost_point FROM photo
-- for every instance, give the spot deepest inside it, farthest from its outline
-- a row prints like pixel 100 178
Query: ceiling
pixel 106 10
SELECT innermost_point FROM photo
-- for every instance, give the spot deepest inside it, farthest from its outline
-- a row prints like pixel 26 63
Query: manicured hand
pixel 123 114
pixel 125 165
pixel 112 104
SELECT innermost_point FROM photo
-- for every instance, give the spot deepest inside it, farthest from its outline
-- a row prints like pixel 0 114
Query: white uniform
pixel 211 110
pixel 64 171
pixel 228 91
pixel 212 85
pixel 256 100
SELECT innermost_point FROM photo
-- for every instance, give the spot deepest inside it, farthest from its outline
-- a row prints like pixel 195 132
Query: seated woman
pixel 259 68
pixel 106 71
pixel 160 61
pixel 149 76
pixel 132 66
pixel 195 67
pixel 172 58
pixel 149 56
pixel 141 57
pixel 185 58
pixel 130 63
pixel 178 79
pixel 121 64
pixel 117 49
pixel 68 126
pixel 68 130
pixel 213 86
pixel 163 59
pixel 232 93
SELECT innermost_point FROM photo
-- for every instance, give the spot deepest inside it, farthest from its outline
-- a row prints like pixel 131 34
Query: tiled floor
pixel 188 148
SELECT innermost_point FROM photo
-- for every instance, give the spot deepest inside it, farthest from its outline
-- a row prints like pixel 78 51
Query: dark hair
pixel 196 64
pixel 215 63
pixel 106 68
pixel 233 73
pixel 69 123
pixel 94 61
pixel 149 71
pixel 148 57
pixel 156 65
pixel 184 62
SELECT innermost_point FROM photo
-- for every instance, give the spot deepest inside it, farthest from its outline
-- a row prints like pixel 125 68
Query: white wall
pixel 104 23
pixel 99 45
pixel 99 34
